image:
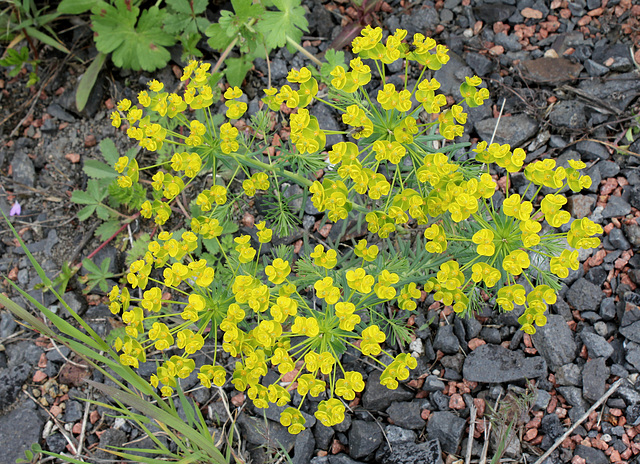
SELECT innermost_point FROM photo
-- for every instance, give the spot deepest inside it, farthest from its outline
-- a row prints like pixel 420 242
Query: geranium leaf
pixel 136 47
pixel 288 21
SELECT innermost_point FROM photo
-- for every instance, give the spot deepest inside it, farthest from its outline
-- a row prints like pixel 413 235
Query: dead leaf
pixel 73 375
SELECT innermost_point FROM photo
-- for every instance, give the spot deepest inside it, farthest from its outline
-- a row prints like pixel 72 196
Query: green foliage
pixel 334 58
pixel 135 40
pixel 62 279
pixel 255 30
pixel 284 25
pixel 22 18
pixel 396 173
pixel 107 229
pixel 92 198
pixel 633 129
pixel 88 80
pixel 138 249
pixel 18 60
pixel 97 275
pixel 184 19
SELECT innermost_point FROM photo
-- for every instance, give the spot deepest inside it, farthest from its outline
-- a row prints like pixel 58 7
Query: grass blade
pixel 164 417
pixel 89 80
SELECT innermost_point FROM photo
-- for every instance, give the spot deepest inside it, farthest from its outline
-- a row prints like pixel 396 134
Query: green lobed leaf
pixel 96 190
pixel 107 229
pixel 289 21
pixel 111 24
pixel 98 170
pixel 109 151
pixel 218 40
pixel 177 23
pixel 246 10
pixel 103 213
pixel 145 46
pixel 82 198
pixel 86 212
pixel 137 47
pixel 181 6
pixel 237 69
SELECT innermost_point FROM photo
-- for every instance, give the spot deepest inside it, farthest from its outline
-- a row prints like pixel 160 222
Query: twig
pixel 472 429
pixel 10 337
pixel 495 129
pixel 487 435
pixel 85 417
pixel 595 406
pixel 64 357
pixel 223 396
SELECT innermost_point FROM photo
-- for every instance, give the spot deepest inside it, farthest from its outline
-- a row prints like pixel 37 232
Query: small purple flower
pixel 16 209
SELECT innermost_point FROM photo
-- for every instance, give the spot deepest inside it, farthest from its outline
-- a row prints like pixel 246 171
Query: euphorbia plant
pixel 298 318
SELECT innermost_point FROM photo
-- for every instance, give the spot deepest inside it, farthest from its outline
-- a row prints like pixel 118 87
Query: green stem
pixel 275 169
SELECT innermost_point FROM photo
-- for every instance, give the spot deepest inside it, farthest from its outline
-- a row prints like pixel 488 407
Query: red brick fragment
pixel 531 13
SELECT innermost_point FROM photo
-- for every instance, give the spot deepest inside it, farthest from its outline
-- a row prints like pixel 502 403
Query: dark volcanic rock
pixel 410 453
pixel 364 439
pixel 496 364
pixel 377 397
pixel 631 332
pixel 617 90
pixel 23 170
pixel 592 151
pixel 406 414
pixel 569 114
pixel 258 431
pixel 397 434
pixel 618 240
pixel 447 428
pixel 11 381
pixel 493 13
pixel 597 346
pixel 616 207
pixel 584 296
pixel 19 429
pixel 303 447
pixel 595 69
pixel 591 455
pixel 554 341
pixel 594 377
pixel 110 438
pixel 480 64
pixel 446 341
pixel 514 130
pixel 420 20
pixel 569 375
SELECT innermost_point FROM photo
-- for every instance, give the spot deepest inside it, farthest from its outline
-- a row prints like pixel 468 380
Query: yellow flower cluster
pixel 392 174
pixel 281 313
